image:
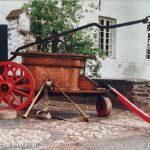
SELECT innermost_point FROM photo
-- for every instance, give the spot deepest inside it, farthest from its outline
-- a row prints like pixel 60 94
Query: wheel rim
pixel 15 82
pixel 103 106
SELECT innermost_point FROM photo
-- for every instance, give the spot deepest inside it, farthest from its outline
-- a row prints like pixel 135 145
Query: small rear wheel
pixel 103 106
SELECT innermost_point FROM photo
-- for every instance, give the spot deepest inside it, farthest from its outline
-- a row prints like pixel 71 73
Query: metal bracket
pixel 146 20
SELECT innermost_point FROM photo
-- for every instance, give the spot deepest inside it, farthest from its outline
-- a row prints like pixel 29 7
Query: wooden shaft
pixel 75 105
pixel 33 102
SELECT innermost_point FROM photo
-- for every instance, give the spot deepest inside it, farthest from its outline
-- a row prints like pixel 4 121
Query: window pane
pixel 102 22
pixel 110 35
pixel 148 53
pixel 107 47
pixel 110 41
pixel 107 23
pixel 106 35
pixel 110 47
pixel 111 22
pixel 107 41
pixel 101 30
pixel 148 47
pixel 102 34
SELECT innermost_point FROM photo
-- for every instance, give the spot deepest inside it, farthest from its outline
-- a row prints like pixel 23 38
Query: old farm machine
pixel 20 82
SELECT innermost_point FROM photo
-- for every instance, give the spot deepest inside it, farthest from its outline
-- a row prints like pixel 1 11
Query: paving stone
pixel 97 135
pixel 50 134
pixel 81 139
pixel 59 142
pixel 70 131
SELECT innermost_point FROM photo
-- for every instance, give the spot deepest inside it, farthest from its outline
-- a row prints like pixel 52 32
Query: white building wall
pixel 24 22
pixel 8 5
pixel 15 40
pixel 131 41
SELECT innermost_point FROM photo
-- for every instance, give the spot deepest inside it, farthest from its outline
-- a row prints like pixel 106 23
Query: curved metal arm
pixel 145 20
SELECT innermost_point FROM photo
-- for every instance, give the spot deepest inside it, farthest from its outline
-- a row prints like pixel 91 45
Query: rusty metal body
pixel 64 69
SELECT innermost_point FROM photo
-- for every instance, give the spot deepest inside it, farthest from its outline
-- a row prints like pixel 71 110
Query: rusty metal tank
pixel 63 68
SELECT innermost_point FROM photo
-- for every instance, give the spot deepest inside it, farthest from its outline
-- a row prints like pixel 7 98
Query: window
pixel 107 37
pixel 148 47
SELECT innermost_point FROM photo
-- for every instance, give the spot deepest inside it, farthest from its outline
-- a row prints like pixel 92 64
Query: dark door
pixel 3 43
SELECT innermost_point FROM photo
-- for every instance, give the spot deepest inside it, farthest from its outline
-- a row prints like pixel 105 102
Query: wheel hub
pixel 5 88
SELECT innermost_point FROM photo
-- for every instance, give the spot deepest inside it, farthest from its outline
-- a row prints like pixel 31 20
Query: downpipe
pixel 129 105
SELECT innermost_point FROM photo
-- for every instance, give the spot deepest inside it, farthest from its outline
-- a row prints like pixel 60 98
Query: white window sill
pixel 109 59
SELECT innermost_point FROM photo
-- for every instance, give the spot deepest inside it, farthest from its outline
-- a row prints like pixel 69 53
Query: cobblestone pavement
pixel 62 134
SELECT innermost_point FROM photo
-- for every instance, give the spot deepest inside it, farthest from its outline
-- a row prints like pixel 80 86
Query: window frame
pixel 148 47
pixel 107 34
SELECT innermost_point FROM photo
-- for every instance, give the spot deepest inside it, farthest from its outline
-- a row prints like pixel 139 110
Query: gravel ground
pixel 72 132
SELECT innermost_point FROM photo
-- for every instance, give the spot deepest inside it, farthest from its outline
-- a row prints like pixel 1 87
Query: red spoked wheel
pixel 16 86
pixel 103 106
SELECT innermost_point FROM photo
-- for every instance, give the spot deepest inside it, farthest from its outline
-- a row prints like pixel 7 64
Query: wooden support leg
pixel 75 105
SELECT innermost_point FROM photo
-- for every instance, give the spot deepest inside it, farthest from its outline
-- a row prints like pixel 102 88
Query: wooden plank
pixel 100 90
pixel 54 55
pixel 86 84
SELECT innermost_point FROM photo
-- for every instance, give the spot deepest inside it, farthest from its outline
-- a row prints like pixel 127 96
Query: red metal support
pixel 130 105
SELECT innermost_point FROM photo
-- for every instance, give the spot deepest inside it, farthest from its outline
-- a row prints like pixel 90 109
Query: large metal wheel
pixel 103 106
pixel 16 86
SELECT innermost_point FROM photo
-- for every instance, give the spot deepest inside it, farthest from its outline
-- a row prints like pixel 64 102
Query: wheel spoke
pixel 19 79
pixel 1 99
pixel 22 86
pixel 2 74
pixel 1 79
pixel 14 72
pixel 6 69
pixel 15 98
pixel 6 72
pixel 8 101
pixel 21 92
